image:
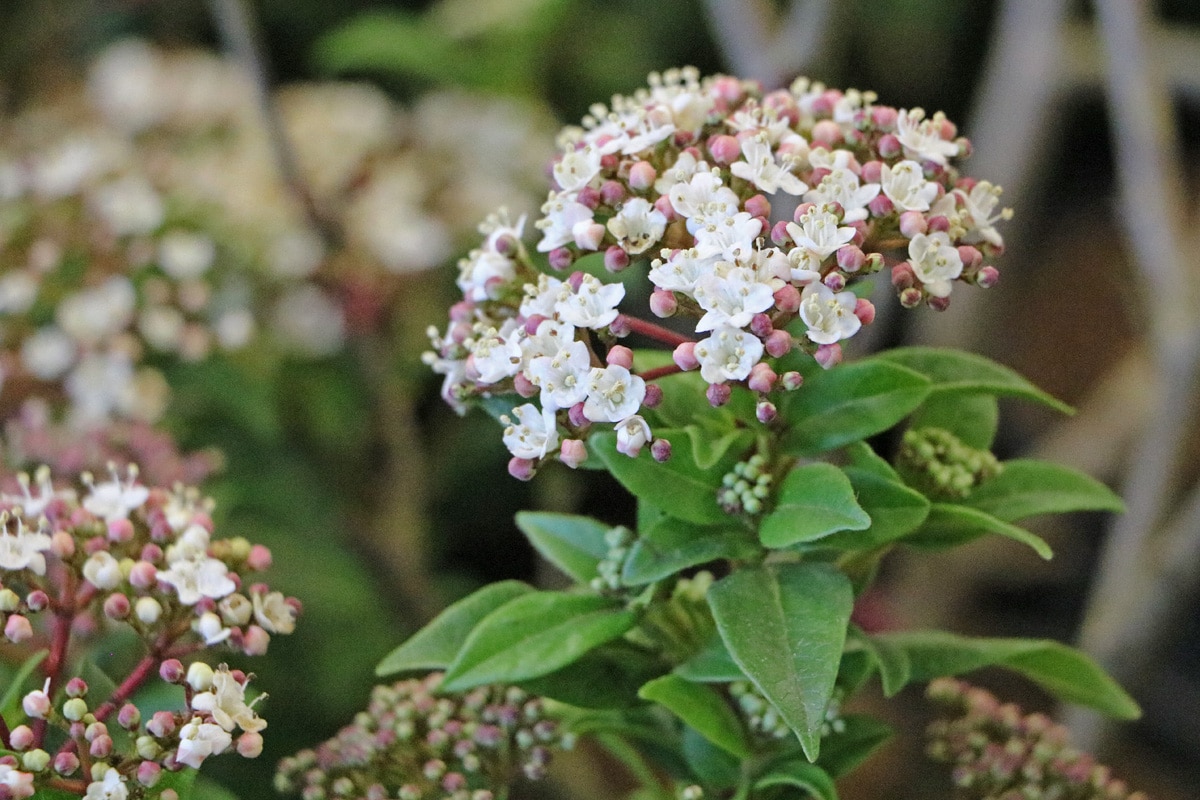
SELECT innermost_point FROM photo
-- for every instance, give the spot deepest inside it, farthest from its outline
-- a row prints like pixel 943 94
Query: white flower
pixel 194 578
pixel 818 233
pixel 225 701
pixel 829 316
pixel 681 171
pixel 731 237
pixel 23 549
pixel 761 168
pixel 481 267
pixel 703 198
pixel 564 218
pixel 577 168
pixel 551 338
pixel 48 353
pixel 93 314
pixel 533 434
pixel 495 357
pixel 978 205
pixel 211 629
pixel 935 262
pixel 680 272
pixel 102 570
pixel 921 138
pixel 651 127
pixel 114 499
pixel 613 394
pixel 728 354
pixel 185 255
pixel 842 186
pixel 112 787
pixel 632 435
pixel 198 740
pixel 129 206
pixel 273 612
pixel 731 298
pixel 32 506
pixel 906 187
pixel 19 784
pixel 540 297
pixel 593 305
pixel 638 225
pixel 563 377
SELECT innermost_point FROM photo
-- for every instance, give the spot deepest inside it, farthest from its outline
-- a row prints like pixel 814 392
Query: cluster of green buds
pixel 1000 754
pixel 416 744
pixel 618 540
pixel 745 488
pixel 943 465
pixel 762 718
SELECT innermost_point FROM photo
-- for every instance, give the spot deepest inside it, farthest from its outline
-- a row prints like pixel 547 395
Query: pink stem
pixel 130 685
pixel 4 734
pixel 659 372
pixel 652 331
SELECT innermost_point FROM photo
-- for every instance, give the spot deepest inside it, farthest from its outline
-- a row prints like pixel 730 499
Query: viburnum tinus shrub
pixel 678 323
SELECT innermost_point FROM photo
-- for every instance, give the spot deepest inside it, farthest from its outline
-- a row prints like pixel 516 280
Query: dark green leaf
pixel 1063 671
pixel 970 417
pixel 678 486
pixel 949 525
pixel 862 456
pixel 801 774
pixel 572 543
pixel 11 701
pixel 534 635
pixel 785 626
pixel 708 448
pixel 842 752
pixel 958 371
pixel 713 766
pixel 702 708
pixel 1026 488
pixel 895 511
pixel 607 677
pixel 436 645
pixel 205 789
pixel 848 403
pixel 713 664
pixel 671 545
pixel 895 670
pixel 815 500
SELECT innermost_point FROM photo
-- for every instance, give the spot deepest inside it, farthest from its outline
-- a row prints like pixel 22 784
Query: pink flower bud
pixel 588 236
pixel 255 641
pixel 573 452
pixel 116 606
pixel 17 629
pixel 172 671
pixel 911 297
pixel 21 738
pixel 762 378
pixel 787 299
pixel 760 326
pixel 881 205
pixel 588 196
pixel 148 773
pixel 620 356
pixel 37 600
pixel 872 171
pixel 522 469
pixel 609 161
pixel 143 575
pixel 612 192
pixel 620 327
pixel 560 258
pixel 129 717
pixel 826 132
pixel 250 744
pixel 120 530
pixel 778 344
pixel 883 117
pixel 865 311
pixel 971 257
pixel 939 224
pixel 801 210
pixel 758 206
pixel 791 381
pixel 829 355
pixel 575 280
pixel 724 149
pixel 642 175
pixel 987 277
pixel 576 416
pixel 835 281
pixel 660 450
pixel 523 386
pixel 161 724
pixel 718 394
pixel 889 146
pixel 684 356
pixel 727 88
pixel 152 553
pixel 779 234
pixel 615 259
pixel 66 763
pixel 653 397
pixel 36 704
pixel 62 544
pixel 903 276
pixel 663 303
pixel 850 258
pixel 766 412
pixel 101 746
pixel 938 303
pixel 664 207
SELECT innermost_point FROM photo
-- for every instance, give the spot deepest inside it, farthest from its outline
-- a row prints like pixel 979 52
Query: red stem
pixel 4 734
pixel 75 786
pixel 656 332
pixel 131 684
pixel 60 639
pixel 659 372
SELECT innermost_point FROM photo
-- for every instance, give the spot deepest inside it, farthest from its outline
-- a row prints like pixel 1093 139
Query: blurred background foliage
pixel 321 454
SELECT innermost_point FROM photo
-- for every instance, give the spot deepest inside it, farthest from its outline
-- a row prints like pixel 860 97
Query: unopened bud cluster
pixel 943 464
pixel 746 488
pixel 416 744
pixel 762 719
pixel 618 540
pixel 750 215
pixel 1000 754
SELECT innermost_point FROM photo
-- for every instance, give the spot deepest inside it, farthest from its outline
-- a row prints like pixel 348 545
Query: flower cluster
pixel 939 462
pixel 414 743
pixel 999 754
pixel 115 553
pixel 755 212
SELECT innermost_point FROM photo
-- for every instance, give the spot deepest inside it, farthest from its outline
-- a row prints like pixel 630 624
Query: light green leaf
pixel 959 371
pixel 1063 671
pixel 708 449
pixel 534 635
pixel 785 626
pixel 970 417
pixel 815 500
pixel 572 543
pixel 702 708
pixel 604 678
pixel 801 774
pixel 670 545
pixel 848 403
pixel 1026 488
pixel 713 664
pixel 895 670
pixel 862 456
pixel 949 525
pixel 713 766
pixel 436 645
pixel 895 511
pixel 860 735
pixel 11 701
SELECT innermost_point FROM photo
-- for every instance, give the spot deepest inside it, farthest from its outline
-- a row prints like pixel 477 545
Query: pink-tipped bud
pixel 938 303
pixel 642 176
pixel 903 276
pixel 588 236
pixel 172 671
pixel 864 309
pixel 523 386
pixel 620 356
pixel 664 207
pixel 912 223
pixel 779 234
pixel 17 629
pixel 612 192
pixel 758 206
pixel 36 704
pixel 589 196
pixel 760 326
pixel 684 356
pixel 766 412
pixel 718 394
pixel 148 773
pixel 76 687
pixel 663 303
pixel 987 277
pixel 872 172
pixel 255 641
pixel 778 344
pixel 850 258
pixel 120 530
pixel 881 205
pixel 726 88
pixel 21 738
pixel 653 397
pixel 573 452
pixel 259 559
pixel 615 259
pixel 609 161
pixel 117 606
pixel 660 450
pixel 889 146
pixel 575 280
pixel 971 257
pixel 828 355
pixel 37 600
pixel 129 717
pixel 939 224
pixel 826 132
pixel 724 149
pixel 62 544
pixel 506 245
pixel 576 416
pixel 152 553
pixel 883 117
pixel 143 575
pixel 101 746
pixel 161 724
pixel 620 327
pixel 250 744
pixel 791 381
pixel 561 258
pixel 66 763
pixel 522 469
pixel 835 281
pixel 801 210
pixel 787 299
pixel 911 297
pixel 762 378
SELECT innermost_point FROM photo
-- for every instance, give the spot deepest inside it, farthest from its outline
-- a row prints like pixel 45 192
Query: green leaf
pixel 1026 488
pixel 678 486
pixel 1063 671
pixel 713 766
pixel 534 635
pixel 572 543
pixel 713 664
pixel 895 670
pixel 860 736
pixel 670 545
pixel 801 774
pixel 895 511
pixel 970 417
pixel 436 645
pixel 11 701
pixel 605 678
pixel 862 456
pixel 205 789
pixel 949 525
pixel 702 708
pixel 708 449
pixel 785 626
pixel 958 371
pixel 815 500
pixel 848 403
